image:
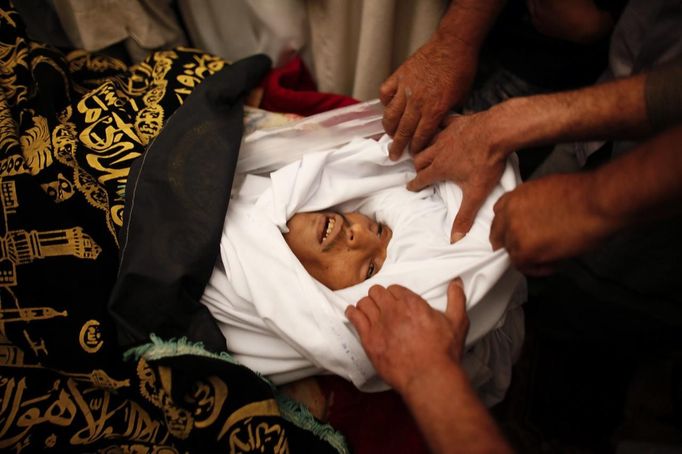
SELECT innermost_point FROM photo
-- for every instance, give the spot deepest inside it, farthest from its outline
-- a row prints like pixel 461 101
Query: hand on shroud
pixel 466 153
pixel 419 93
pixel 547 220
pixel 404 336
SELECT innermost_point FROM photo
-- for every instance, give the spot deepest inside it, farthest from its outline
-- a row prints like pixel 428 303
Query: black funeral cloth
pixel 176 206
pixel 71 126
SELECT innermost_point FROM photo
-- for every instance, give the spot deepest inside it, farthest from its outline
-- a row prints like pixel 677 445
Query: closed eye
pixel 370 270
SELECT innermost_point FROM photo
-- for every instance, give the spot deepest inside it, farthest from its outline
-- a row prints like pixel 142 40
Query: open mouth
pixel 328 228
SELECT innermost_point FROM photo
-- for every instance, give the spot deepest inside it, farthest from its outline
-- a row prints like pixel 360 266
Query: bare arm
pixel 560 216
pixel 437 76
pixel 450 415
pixel 472 150
pixel 615 109
pixel 417 351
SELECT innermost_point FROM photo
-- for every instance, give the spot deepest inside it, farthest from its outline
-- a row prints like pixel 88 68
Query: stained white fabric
pixel 281 322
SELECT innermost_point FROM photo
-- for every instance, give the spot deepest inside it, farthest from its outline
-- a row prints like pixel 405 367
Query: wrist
pixel 605 202
pixel 466 23
pixel 506 124
pixel 423 377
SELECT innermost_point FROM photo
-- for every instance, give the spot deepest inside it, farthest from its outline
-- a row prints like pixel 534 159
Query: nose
pixel 354 236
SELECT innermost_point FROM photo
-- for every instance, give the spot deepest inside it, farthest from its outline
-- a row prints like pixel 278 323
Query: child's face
pixel 338 250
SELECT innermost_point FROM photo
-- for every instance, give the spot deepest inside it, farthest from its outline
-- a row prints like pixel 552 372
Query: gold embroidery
pixel 29 314
pixel 64 145
pixel 51 441
pixel 114 142
pixel 149 122
pixel 20 247
pixel 258 437
pixel 8 127
pixel 263 408
pixel 13 165
pixel 36 146
pixel 12 56
pixel 99 379
pixel 137 83
pixel 138 449
pixel 157 390
pixel 13 356
pixel 36 347
pixel 59 190
pixel 195 72
pixel 209 399
pixel 80 59
pixel 24 247
pixel 6 16
pixel 90 337
pixel 149 119
pixel 91 413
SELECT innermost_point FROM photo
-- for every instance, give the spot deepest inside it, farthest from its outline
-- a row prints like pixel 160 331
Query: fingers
pixel 359 321
pixel 466 215
pixel 368 306
pixel 401 293
pixel 423 133
pixel 497 233
pixel 456 308
pixel 424 178
pixel 424 159
pixel 388 90
pixel 498 226
pixel 393 112
pixel 408 123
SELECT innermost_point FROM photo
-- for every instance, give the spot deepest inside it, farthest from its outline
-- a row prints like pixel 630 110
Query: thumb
pixel 456 308
pixel 465 216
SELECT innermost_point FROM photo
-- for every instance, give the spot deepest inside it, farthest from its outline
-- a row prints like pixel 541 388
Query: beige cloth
pixel 350 46
pixel 143 24
pixel 238 28
pixel 357 44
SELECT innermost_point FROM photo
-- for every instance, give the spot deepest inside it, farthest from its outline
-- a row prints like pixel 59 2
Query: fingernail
pixel 456 236
pixel 458 282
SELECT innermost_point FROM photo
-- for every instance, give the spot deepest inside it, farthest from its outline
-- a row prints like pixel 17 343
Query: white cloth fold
pixel 281 322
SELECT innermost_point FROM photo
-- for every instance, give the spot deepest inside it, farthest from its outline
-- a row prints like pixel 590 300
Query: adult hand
pixel 468 153
pixel 403 336
pixel 547 220
pixel 420 92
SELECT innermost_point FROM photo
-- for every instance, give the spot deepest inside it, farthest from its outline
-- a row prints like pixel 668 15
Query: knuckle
pixel 395 289
pixel 375 291
pixel 388 123
pixel 403 132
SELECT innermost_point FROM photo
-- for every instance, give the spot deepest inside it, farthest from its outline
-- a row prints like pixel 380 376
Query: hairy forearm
pixel 467 22
pixel 614 109
pixel 449 413
pixel 644 185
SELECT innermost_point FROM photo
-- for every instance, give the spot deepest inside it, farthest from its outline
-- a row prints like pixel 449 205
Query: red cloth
pixel 371 422
pixel 291 89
